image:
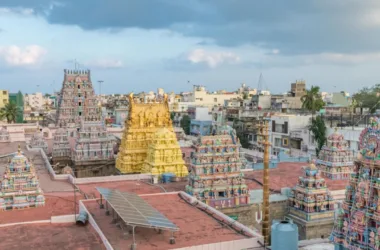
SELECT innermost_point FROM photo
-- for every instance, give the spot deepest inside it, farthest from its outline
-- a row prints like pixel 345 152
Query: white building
pixel 290 133
pixel 36 100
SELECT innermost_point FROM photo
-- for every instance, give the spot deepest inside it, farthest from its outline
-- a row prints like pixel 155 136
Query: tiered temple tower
pixel 19 186
pixel 38 141
pixel 61 152
pixel 93 151
pixel 4 135
pixel 336 160
pixel 77 99
pixel 164 155
pixel 142 137
pixel 311 205
pixel 215 171
pixel 358 225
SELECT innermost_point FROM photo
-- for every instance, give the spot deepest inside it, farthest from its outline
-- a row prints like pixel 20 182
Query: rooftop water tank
pixel 284 235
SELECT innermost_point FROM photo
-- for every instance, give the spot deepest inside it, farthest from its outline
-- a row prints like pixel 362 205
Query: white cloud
pixel 22 11
pixel 275 51
pixel 18 56
pixel 106 63
pixel 212 59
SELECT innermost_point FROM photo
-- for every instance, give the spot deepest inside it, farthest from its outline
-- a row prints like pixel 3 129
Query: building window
pixel 78 86
pixel 285 142
pixel 215 99
pixel 277 142
pixel 79 95
pixel 80 104
pixel 80 113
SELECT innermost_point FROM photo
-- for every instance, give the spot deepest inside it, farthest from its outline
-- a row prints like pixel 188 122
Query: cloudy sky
pixel 139 45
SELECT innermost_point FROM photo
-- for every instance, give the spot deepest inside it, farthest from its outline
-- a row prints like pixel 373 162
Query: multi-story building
pixel 34 101
pixel 201 121
pixel 298 88
pixel 4 98
pixel 290 132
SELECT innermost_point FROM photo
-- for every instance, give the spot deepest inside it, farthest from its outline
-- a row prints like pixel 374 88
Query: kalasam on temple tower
pixel 144 133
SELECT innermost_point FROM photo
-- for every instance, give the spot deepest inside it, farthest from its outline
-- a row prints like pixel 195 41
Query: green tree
pixel 245 96
pixel 368 97
pixel 10 111
pixel 318 128
pixel 312 100
pixel 185 124
pixel 172 115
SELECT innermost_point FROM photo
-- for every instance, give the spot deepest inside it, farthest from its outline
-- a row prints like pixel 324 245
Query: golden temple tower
pixel 149 129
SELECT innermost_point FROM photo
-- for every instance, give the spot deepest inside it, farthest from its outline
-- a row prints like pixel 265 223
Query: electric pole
pixel 100 87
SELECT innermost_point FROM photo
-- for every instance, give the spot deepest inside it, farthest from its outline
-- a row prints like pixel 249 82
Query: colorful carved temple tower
pixel 215 171
pixel 61 152
pixel 358 225
pixel 336 160
pixel 149 143
pixel 311 205
pixel 19 186
pixel 77 99
pixel 38 141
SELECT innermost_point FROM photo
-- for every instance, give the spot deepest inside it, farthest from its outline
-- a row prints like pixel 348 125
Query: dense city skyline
pixel 219 44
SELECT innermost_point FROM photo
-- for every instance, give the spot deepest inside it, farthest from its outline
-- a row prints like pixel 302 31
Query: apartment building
pixel 4 98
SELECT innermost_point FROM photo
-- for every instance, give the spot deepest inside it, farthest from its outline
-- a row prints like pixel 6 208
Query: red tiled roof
pixel 50 236
pixel 286 175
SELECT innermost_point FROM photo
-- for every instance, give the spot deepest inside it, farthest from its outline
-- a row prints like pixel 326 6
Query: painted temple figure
pixel 311 204
pixel 358 223
pixel 215 170
pixel 149 144
pixel 336 160
pixel 4 135
pixel 20 186
pixel 61 152
pixel 38 141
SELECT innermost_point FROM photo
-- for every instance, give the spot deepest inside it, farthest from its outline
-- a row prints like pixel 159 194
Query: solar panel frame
pixel 133 210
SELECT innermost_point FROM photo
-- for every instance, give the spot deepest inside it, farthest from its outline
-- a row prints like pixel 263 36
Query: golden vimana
pixel 149 144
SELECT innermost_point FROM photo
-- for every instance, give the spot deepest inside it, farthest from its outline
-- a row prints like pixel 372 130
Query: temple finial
pixel 336 129
pixel 19 149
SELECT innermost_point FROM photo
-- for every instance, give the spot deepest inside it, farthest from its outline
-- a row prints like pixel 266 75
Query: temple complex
pixel 149 142
pixel 358 225
pixel 4 135
pixel 311 205
pixel 215 170
pixel 335 160
pixel 93 151
pixel 38 141
pixel 77 99
pixel 61 152
pixel 19 186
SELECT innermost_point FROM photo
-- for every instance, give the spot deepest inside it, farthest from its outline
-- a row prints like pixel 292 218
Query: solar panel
pixel 133 210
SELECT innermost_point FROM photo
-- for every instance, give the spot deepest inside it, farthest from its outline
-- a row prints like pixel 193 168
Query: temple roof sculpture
pixel 358 225
pixel 335 159
pixel 146 119
pixel 310 199
pixel 38 141
pixel 20 186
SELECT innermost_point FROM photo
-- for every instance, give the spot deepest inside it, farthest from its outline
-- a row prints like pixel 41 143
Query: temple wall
pixel 313 229
pixel 247 215
pixel 91 170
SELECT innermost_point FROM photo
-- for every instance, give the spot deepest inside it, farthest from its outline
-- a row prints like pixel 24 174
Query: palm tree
pixel 312 100
pixel 10 111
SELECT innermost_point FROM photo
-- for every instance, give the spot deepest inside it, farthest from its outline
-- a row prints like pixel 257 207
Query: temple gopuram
pixel 61 152
pixel 19 186
pixel 215 171
pixel 164 155
pixel 335 160
pixel 93 151
pixel 4 135
pixel 143 147
pixel 77 99
pixel 38 141
pixel 311 205
pixel 358 224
